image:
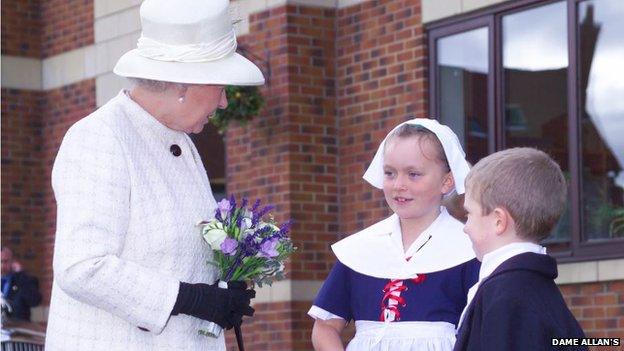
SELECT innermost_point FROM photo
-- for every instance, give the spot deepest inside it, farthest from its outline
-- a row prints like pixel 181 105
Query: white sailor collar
pixel 376 252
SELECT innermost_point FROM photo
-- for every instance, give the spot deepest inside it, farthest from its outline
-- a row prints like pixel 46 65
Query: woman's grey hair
pixel 156 86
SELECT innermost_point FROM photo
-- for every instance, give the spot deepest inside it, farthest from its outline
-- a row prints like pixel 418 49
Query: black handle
pixel 239 337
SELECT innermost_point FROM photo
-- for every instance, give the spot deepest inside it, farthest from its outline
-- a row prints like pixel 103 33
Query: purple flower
pixel 249 246
pixel 255 205
pixel 258 215
pixel 268 248
pixel 224 205
pixel 239 221
pixel 228 246
pixel 284 229
pixel 232 204
pixel 223 208
pixel 262 232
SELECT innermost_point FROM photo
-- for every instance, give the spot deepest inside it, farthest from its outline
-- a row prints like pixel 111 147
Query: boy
pixel 514 198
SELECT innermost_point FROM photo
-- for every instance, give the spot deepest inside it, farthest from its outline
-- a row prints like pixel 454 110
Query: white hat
pixel 188 41
pixel 452 149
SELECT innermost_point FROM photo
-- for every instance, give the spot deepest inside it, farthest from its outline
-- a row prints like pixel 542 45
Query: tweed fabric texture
pixel 126 234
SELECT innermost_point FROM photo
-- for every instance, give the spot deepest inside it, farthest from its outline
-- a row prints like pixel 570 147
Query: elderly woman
pixel 130 268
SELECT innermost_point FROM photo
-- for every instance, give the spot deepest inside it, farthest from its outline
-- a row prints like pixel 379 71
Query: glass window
pixel 462 67
pixel 601 114
pixel 547 74
pixel 535 69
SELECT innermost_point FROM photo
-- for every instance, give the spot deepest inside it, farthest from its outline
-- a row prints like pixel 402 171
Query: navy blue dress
pixel 432 297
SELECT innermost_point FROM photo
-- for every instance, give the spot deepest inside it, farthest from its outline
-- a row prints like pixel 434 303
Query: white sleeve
pixel 92 188
pixel 319 313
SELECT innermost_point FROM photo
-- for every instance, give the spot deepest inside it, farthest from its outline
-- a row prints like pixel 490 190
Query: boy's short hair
pixel 524 181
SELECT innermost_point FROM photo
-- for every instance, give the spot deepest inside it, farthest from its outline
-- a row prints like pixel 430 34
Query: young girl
pixel 404 280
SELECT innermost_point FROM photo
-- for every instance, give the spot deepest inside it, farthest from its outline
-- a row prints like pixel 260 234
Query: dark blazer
pixel 518 307
pixel 22 295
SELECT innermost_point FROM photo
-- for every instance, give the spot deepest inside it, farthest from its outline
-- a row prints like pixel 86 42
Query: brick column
pixel 288 157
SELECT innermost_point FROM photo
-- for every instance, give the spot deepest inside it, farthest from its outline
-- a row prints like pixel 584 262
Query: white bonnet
pixel 450 143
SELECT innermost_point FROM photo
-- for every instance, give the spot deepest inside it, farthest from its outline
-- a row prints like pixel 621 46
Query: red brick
pixel 587 289
pixel 615 311
pixel 606 299
pixel 616 286
pixel 587 324
pixel 607 323
pixel 67 25
pixel 593 312
pixel 581 300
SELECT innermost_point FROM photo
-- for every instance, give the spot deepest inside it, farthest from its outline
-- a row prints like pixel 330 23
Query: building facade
pixel 341 73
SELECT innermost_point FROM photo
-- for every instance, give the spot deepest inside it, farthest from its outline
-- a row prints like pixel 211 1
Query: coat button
pixel 175 150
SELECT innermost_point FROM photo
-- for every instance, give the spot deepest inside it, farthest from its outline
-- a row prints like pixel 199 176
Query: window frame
pixel 491 18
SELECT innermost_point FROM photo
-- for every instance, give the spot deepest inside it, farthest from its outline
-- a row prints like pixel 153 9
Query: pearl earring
pixel 181 99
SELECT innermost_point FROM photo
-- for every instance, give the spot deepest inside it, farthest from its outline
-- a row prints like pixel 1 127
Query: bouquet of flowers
pixel 248 245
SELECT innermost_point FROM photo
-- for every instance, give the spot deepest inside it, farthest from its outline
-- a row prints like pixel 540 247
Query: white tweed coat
pixel 126 234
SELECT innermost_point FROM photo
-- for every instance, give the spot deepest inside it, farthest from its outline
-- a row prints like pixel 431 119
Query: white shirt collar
pixel 492 260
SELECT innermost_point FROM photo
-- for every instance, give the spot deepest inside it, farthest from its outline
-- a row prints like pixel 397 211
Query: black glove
pixel 237 318
pixel 226 307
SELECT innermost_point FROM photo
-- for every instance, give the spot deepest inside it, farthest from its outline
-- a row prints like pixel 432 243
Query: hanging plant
pixel 244 102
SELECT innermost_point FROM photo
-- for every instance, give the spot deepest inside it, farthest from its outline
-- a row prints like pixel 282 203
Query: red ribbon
pixel 392 298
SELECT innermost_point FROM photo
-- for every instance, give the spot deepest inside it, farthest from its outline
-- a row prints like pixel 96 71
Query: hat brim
pixel 232 70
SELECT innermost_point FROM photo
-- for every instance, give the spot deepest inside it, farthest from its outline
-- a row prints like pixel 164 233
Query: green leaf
pixel 244 103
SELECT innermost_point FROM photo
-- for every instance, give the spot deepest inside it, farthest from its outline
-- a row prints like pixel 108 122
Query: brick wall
pixel 22 194
pixel 21 30
pixel 381 82
pixel 66 25
pixel 599 308
pixel 35 28
pixel 275 326
pixel 288 155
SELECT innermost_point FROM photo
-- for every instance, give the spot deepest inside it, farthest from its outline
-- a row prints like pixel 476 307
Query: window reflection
pixel 535 62
pixel 601 109
pixel 462 66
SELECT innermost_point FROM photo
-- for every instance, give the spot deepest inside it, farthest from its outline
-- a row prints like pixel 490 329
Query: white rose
pixel 245 224
pixel 248 214
pixel 214 234
pixel 248 232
